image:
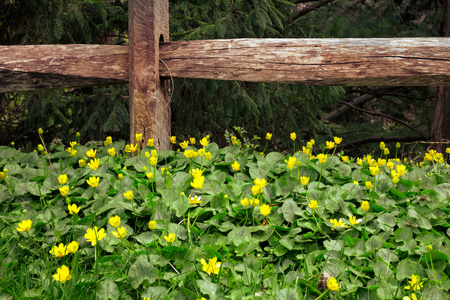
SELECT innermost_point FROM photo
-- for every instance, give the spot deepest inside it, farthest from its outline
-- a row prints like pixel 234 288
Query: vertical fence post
pixel 149 96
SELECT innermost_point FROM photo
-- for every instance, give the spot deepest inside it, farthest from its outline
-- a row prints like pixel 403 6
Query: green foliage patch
pixel 111 221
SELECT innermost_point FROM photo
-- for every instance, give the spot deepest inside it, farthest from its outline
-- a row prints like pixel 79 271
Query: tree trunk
pixel 440 129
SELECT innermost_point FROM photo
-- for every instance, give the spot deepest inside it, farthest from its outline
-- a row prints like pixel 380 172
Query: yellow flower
pixel 332 284
pixel 74 153
pixel 414 283
pixel 2 175
pixel 260 182
pixel 93 181
pixel 149 175
pixel 337 223
pixel 40 131
pixel 235 166
pixel 153 160
pixel 64 190
pixel 189 153
pixel 345 158
pixel 150 143
pixel 254 202
pixel 203 298
pixel 208 155
pixel 244 202
pixel 138 137
pixel 128 195
pixel 120 233
pixel 59 251
pixel 132 148
pixel 72 247
pixel 368 185
pixel 25 225
pixel 374 170
pixel 337 140
pixel 107 141
pixel 152 225
pixel 195 200
pixel 355 182
pixel 114 221
pixel 304 180
pixel 390 165
pixel 268 136
pixel 359 161
pixel 382 145
pixel 81 163
pixel 313 205
pixel 397 145
pixel 330 145
pixel 184 144
pixel 192 140
pixel 94 235
pixel 386 151
pixel 401 170
pixel 173 139
pixel 290 164
pixel 120 176
pixel 265 209
pixel 201 152
pixel 112 151
pixel 73 209
pixel 352 220
pixel 69 150
pixel 198 182
pixel 205 141
pixel 196 173
pixel 62 179
pixel 40 148
pixel 293 136
pixel 62 274
pixel 414 297
pixel 365 205
pixel 91 153
pixel 212 267
pixel 94 164
pixel 170 238
pixel 322 158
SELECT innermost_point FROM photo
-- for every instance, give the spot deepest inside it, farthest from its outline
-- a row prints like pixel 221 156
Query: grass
pixel 245 224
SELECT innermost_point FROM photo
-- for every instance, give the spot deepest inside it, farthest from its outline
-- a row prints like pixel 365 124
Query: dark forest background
pixel 201 107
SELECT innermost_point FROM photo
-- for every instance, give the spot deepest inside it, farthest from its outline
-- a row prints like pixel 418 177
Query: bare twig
pixel 424 136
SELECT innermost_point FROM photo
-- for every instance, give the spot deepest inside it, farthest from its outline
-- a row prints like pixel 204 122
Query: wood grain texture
pixel 355 62
pixel 149 97
pixel 35 67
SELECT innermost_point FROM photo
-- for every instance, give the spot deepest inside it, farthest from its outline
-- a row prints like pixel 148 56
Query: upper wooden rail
pixel 387 62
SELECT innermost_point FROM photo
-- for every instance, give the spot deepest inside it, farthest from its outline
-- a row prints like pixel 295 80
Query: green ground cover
pixel 110 221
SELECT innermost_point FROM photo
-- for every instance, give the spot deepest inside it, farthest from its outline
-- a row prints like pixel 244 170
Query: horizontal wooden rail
pixel 37 67
pixel 390 62
pixel 375 62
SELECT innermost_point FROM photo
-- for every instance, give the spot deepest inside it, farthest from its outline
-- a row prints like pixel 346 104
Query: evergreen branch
pixel 310 8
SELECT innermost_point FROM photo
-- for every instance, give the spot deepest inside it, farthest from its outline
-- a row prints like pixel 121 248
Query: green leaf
pixel 108 289
pixel 287 294
pixel 288 209
pixel 140 270
pixel 434 256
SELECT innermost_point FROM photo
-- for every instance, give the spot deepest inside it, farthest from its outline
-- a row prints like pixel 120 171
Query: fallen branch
pixel 345 108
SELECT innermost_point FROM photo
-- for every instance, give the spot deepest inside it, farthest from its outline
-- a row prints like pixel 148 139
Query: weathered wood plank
pixel 35 67
pixel 390 62
pixel 149 96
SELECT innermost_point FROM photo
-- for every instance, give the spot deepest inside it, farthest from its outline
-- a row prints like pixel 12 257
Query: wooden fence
pixel 150 60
